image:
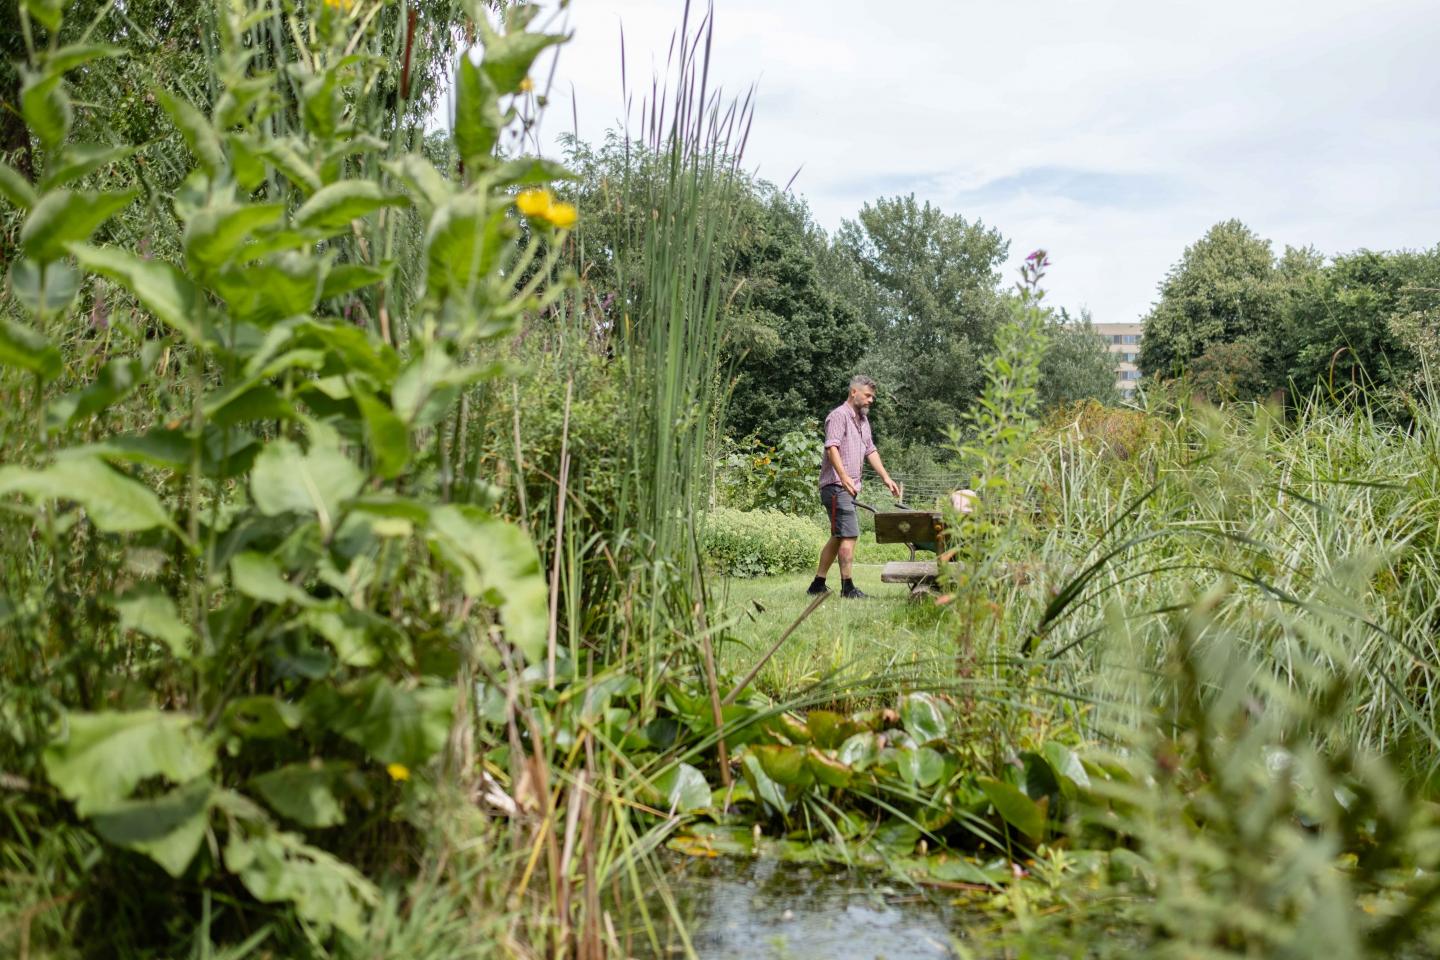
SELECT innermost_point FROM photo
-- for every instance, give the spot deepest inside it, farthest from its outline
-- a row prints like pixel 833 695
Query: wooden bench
pixel 919 575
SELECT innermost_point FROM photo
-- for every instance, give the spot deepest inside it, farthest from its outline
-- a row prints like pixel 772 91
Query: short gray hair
pixel 860 380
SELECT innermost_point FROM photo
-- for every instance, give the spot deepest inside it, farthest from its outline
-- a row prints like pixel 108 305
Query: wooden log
pixel 911 572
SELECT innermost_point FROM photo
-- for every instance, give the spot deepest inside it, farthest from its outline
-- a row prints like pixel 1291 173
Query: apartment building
pixel 1124 341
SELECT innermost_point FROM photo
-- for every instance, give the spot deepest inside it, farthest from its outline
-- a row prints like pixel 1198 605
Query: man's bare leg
pixel 847 557
pixel 828 553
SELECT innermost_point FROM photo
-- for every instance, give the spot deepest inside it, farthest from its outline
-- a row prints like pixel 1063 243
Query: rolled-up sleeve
pixel 869 443
pixel 834 429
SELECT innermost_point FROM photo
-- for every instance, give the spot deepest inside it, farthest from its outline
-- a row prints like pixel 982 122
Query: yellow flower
pixel 397 771
pixel 562 215
pixel 534 203
pixel 540 204
pixel 344 6
pixel 527 85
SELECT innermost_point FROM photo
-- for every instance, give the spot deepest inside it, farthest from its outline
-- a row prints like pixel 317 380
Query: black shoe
pixel 817 587
pixel 855 593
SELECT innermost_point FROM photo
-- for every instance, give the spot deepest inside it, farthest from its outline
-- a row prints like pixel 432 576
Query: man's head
pixel 862 392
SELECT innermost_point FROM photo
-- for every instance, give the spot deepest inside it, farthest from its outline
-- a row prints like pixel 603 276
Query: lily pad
pixel 923 718
pixel 684 788
pixel 1014 807
pixel 784 764
pixel 827 770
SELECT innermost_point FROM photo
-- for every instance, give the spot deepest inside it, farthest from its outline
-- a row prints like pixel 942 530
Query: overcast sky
pixel 1111 132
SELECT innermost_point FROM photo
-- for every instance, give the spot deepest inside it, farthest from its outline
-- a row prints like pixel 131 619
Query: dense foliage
pixel 925 282
pixel 1239 323
pixel 791 343
pixel 364 527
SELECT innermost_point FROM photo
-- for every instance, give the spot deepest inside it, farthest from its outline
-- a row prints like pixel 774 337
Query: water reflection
pixel 763 908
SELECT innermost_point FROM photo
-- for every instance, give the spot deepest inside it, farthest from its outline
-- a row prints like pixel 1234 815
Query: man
pixel 847 447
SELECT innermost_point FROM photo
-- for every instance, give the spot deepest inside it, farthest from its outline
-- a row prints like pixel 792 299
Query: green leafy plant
pixel 286 656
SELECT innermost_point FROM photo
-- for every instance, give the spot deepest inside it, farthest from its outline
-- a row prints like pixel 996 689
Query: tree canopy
pixel 926 285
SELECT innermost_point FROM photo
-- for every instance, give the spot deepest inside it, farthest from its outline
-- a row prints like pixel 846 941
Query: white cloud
pixel 1111 132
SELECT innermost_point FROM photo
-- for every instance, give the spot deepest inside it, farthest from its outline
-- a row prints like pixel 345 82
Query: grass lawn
pixel 847 641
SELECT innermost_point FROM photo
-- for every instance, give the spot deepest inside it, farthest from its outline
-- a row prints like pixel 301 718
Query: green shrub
pixel 757 543
pixel 758 476
pixel 761 543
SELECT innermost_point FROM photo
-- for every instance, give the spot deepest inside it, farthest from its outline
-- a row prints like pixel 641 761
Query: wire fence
pixel 923 489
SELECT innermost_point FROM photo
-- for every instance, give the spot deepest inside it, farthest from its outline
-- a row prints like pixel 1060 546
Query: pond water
pixel 763 908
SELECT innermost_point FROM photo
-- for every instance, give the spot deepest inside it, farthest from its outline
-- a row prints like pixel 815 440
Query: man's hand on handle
pixel 849 485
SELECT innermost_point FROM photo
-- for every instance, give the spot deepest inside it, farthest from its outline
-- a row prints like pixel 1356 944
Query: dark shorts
pixel 840 508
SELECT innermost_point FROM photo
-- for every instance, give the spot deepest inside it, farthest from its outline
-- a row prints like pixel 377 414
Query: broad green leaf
pixel 247 165
pixel 215 234
pixel 114 502
pixel 430 384
pixel 16 189
pixel 304 793
pixel 262 717
pixel 47 13
pixel 1014 807
pixel 63 217
pixel 349 277
pixel 152 613
pixel 422 178
pixel 477 114
pixel 360 352
pixel 199 135
pixel 923 718
pixel 259 575
pixel 243 405
pixel 345 630
pixel 828 728
pixel 104 756
pixel 388 436
pixel 171 449
pixel 391 723
pixel 498 563
pixel 333 207
pixel 46 107
pixel 286 479
pixel 827 770
pixel 266 293
pixel 530 171
pixel 223 453
pixel 115 381
pixel 320 100
pixel 25 349
pixel 463 244
pixel 1067 766
pixel 684 789
pixel 168 829
pixel 765 788
pixel 508 57
pixel 75 55
pixel 920 766
pixel 80 159
pixel 897 836
pixel 791 728
pixel 785 765
pixel 282 868
pixel 284 156
pixel 55 294
pixel 164 290
pixel 860 751
pixel 951 868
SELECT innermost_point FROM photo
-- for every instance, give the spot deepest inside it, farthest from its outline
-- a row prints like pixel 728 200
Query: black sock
pixel 846 585
pixel 819 581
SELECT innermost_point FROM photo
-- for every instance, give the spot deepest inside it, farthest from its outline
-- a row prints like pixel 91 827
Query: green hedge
pixel 761 543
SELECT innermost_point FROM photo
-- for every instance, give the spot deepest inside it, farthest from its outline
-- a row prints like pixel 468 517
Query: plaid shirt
pixel 850 432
